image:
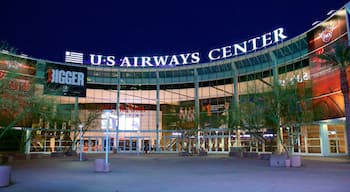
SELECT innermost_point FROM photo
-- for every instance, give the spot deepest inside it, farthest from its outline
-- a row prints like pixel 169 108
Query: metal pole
pixel 81 142
pixel 118 114
pixel 75 147
pixel 107 139
pixel 157 111
pixel 196 109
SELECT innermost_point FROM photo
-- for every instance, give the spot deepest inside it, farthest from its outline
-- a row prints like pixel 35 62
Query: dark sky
pixel 45 29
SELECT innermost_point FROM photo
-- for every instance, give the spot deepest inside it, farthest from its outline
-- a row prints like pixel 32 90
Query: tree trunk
pixel 345 90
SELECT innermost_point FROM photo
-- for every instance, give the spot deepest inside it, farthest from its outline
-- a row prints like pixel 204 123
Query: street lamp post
pixel 107 140
pixel 100 164
pixel 81 142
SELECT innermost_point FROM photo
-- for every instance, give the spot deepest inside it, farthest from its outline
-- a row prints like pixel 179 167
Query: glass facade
pixel 211 106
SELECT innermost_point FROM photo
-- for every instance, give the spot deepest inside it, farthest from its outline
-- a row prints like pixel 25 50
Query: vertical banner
pixel 325 79
pixel 325 76
pixel 347 14
pixel 65 80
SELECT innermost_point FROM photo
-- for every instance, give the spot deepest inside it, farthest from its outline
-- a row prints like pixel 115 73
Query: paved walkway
pixel 168 173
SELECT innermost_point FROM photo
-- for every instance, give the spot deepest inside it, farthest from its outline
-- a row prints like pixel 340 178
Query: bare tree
pixel 288 106
pixel 19 105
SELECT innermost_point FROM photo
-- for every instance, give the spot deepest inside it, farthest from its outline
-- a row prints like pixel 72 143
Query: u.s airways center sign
pixel 260 42
pixel 65 80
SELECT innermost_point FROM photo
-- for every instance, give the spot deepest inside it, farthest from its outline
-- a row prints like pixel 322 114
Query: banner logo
pixel 326 34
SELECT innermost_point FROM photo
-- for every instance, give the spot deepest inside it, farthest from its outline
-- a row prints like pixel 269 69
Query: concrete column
pixel 324 142
pixel 28 141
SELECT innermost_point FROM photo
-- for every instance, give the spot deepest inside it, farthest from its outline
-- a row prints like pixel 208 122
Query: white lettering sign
pixel 234 50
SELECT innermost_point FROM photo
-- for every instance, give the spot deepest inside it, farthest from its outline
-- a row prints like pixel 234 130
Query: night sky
pixel 46 29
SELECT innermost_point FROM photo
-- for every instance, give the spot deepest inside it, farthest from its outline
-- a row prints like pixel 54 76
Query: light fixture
pixel 331 12
pixel 332 132
pixel 24 55
pixel 315 23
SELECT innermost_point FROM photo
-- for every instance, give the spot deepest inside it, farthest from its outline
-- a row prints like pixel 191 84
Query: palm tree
pixel 340 57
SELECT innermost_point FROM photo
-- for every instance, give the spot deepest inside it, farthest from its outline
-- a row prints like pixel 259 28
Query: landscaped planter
pixel 5 175
pixel 184 153
pixel 236 151
pixel 296 161
pixel 236 154
pixel 84 156
pixel 70 153
pixel 250 154
pixel 57 154
pixel 283 160
pixel 278 160
pixel 101 166
pixel 264 156
pixel 287 162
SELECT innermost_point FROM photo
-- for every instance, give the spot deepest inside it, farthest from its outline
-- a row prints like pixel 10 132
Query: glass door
pixel 336 139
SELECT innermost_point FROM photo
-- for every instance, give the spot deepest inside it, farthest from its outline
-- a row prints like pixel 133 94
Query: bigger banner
pixel 65 80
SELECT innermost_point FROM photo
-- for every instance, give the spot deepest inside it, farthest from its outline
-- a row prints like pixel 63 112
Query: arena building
pixel 193 101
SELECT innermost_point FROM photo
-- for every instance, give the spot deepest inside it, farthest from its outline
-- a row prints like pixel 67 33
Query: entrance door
pixel 110 144
pixel 133 144
pixel 333 146
pixel 90 144
pixel 336 139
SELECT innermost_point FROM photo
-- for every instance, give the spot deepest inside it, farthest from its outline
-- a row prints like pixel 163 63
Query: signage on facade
pixel 19 83
pixel 65 80
pixel 225 52
pixel 327 31
pixel 347 8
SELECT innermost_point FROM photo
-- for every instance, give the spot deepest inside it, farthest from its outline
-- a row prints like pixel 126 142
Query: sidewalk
pixel 339 159
pixel 170 173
